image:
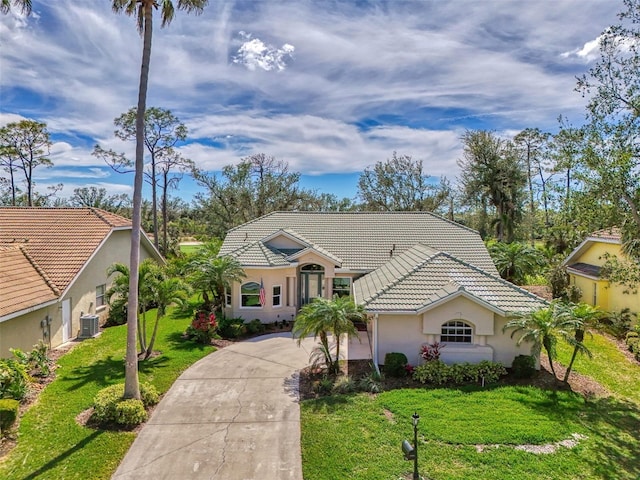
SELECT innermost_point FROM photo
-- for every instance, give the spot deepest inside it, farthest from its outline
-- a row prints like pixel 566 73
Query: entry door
pixel 66 320
pixel 310 285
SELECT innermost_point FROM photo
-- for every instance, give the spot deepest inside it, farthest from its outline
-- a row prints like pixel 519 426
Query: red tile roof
pixel 612 233
pixel 54 243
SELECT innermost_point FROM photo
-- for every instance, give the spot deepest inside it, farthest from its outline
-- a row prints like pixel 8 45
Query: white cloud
pixel 254 53
pixel 589 52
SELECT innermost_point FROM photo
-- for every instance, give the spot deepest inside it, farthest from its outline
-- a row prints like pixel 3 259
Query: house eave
pixel 24 311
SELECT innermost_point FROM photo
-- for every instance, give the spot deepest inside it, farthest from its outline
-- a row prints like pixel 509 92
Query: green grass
pixel 51 445
pixel 187 249
pixel 609 367
pixel 358 437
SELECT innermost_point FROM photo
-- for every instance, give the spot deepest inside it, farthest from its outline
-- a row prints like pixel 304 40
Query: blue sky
pixel 331 87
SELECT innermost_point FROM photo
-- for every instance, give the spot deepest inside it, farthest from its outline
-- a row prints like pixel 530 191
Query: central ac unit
pixel 89 326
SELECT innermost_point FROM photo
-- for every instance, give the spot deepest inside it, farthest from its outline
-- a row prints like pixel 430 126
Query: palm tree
pixel 542 327
pixel 515 260
pixel 322 317
pixel 143 10
pixel 583 316
pixel 214 276
pixel 165 292
pixel 25 6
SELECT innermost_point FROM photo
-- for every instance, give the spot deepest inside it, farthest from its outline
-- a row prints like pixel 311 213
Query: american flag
pixel 263 296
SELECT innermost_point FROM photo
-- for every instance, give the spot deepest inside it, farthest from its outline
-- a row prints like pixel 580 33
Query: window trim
pixel 228 299
pixel 333 287
pixel 274 296
pixel 101 301
pixel 257 295
pixel 449 330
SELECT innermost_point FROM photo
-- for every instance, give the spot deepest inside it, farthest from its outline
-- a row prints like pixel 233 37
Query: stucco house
pixel 584 265
pixel 421 277
pixel 53 270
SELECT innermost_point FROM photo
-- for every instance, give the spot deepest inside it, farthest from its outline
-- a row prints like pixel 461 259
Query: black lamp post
pixel 415 419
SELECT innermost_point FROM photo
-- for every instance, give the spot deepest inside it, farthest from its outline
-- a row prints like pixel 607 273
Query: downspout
pixel 375 343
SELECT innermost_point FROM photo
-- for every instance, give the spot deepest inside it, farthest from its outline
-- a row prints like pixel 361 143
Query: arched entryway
pixel 311 282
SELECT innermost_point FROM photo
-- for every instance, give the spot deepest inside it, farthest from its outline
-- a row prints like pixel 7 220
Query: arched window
pixel 250 295
pixel 456 331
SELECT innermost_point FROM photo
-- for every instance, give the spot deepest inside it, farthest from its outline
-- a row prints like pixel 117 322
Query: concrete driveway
pixel 233 415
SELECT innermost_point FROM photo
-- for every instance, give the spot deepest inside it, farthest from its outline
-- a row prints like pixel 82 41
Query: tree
pixel 400 184
pixel 323 317
pixel 214 277
pixel 581 316
pixel 492 175
pixel 515 261
pixel 542 327
pixel 613 128
pixel 24 5
pixel 531 144
pixel 99 198
pixel 24 146
pixel 258 185
pixel 143 10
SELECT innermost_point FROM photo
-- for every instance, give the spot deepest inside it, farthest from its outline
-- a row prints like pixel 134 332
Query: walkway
pixel 233 415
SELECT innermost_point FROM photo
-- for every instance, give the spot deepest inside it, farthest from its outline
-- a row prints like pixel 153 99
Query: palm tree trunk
pixel 154 202
pixel 131 380
pixel 573 357
pixel 153 335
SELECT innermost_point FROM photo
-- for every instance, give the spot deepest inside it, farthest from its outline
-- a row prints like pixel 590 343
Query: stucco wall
pixel 401 333
pixel 23 332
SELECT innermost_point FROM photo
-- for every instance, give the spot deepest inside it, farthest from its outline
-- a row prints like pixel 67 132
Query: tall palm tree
pixel 516 260
pixel 214 276
pixel 322 317
pixel 583 316
pixel 25 6
pixel 143 11
pixel 541 327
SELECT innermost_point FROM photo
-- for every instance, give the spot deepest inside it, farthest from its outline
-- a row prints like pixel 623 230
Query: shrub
pixel 255 326
pixel 231 327
pixel 344 385
pixel 36 362
pixel 108 405
pixel 490 372
pixel 14 379
pixel 431 351
pixel 633 344
pixel 117 313
pixel 394 364
pixel 8 413
pixel 437 372
pixel 618 323
pixel 370 383
pixel 323 386
pixel 524 366
pixel 203 327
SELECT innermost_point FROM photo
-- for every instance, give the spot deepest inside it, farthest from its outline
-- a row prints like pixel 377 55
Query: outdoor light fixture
pixel 409 452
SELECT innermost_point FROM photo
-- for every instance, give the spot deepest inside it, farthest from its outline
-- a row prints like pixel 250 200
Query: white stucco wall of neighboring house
pixel 25 331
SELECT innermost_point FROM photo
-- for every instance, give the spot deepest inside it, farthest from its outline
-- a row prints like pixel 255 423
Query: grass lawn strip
pixel 52 445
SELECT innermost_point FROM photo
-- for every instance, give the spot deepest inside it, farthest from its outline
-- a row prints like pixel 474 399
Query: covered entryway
pixel 311 283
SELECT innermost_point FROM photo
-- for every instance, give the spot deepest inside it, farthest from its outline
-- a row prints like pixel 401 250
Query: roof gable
pixel 363 241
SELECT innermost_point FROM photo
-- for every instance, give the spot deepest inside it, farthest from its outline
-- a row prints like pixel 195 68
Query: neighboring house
pixel 584 265
pixel 394 264
pixel 53 270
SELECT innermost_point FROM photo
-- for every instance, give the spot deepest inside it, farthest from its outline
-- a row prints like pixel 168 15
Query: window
pixel 456 331
pixel 341 286
pixel 250 295
pixel 277 296
pixel 100 289
pixel 227 298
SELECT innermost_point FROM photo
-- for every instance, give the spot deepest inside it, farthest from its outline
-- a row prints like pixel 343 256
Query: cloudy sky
pixel 331 87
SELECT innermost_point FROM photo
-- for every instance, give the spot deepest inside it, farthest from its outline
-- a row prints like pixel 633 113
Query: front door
pixel 311 282
pixel 66 320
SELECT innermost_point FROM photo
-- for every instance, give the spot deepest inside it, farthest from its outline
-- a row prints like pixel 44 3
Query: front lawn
pixel 52 445
pixel 470 433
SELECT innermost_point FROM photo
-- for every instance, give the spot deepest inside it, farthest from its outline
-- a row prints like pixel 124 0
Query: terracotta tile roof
pixel 422 276
pixel 612 233
pixel 366 240
pixel 22 284
pixel 57 241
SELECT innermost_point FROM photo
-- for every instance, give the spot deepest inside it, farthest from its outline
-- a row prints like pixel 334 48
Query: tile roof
pixel 22 283
pixel 56 242
pixel 365 240
pixel 612 233
pixel 586 268
pixel 421 276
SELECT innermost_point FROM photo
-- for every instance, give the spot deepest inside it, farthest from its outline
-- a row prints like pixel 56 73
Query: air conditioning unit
pixel 89 326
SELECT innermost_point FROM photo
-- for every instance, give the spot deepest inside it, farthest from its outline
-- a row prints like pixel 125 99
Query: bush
pixel 524 366
pixel 344 385
pixel 14 379
pixel 431 351
pixel 203 328
pixel 437 372
pixel 618 323
pixel 370 383
pixel 36 362
pixel 110 407
pixel 394 364
pixel 255 326
pixel 232 327
pixel 8 413
pixel 633 344
pixel 117 313
pixel 323 386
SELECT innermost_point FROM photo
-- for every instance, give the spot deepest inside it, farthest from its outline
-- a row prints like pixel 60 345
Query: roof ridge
pixel 498 278
pixel 40 271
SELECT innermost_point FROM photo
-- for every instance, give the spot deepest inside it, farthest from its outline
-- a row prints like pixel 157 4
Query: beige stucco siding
pixel 24 331
pixel 460 308
pixel 283 277
pixel 504 347
pixel 400 333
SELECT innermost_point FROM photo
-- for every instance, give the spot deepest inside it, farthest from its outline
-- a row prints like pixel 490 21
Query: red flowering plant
pixel 431 351
pixel 203 327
